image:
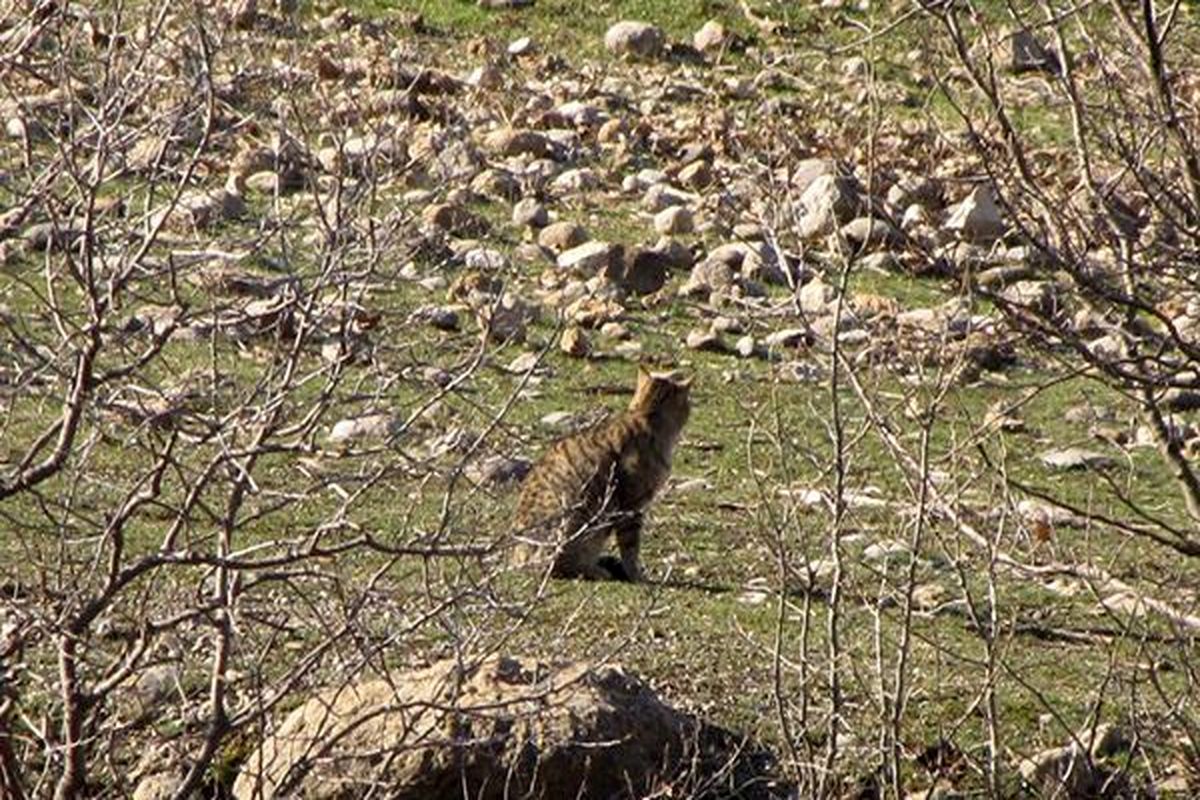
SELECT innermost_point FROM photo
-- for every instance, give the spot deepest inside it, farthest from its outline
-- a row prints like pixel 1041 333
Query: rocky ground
pixel 428 249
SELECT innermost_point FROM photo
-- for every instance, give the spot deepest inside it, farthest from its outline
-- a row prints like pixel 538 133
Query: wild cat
pixel 598 482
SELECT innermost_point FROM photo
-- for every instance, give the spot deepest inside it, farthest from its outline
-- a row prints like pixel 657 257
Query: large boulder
pixel 506 727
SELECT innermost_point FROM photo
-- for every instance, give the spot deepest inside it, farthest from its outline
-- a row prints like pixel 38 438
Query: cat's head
pixel 662 393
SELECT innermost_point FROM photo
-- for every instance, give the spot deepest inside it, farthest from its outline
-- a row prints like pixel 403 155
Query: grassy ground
pixel 725 627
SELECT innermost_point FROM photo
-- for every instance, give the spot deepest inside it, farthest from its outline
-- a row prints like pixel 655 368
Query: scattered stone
pixel 711 37
pixel 708 276
pixel 157 786
pixel 522 363
pixel 486 76
pixel 440 317
pixel 575 181
pixel 829 201
pixel 634 39
pixel 705 341
pixel 1026 54
pixel 644 271
pixel 453 219
pixel 870 233
pixel 886 551
pixel 498 470
pixel 521 46
pixel 746 347
pixel 505 4
pixel 558 237
pixel 574 343
pixel 1075 458
pixel 788 338
pixel 816 297
pixel 369 426
pixel 483 259
pixel 1068 772
pixel 661 195
pixel 697 175
pixel 673 221
pixel 516 142
pixel 1036 296
pixel 915 190
pixel 530 213
pixel 589 257
pixel 499 184
pixel 977 217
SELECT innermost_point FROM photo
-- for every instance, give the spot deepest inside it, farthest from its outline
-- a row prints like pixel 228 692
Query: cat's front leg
pixel 629 543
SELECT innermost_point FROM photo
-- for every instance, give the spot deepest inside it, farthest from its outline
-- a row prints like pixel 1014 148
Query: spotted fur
pixel 598 483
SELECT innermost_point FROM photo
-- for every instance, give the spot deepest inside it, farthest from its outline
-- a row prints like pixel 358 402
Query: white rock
pixel 710 37
pixel 369 426
pixel 977 217
pixel 521 47
pixel 574 181
pixel 588 257
pixel 815 297
pixel 673 221
pixel 660 196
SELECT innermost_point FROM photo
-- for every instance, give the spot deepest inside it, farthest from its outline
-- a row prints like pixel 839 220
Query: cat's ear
pixel 644 377
pixel 685 383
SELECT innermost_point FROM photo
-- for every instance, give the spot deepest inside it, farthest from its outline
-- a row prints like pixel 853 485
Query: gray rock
pixel 485 259
pixel 870 233
pixel 643 271
pixel 708 276
pixel 530 213
pixel 506 727
pixel 1024 53
pixel 499 184
pixel 829 201
pixel 516 142
pixel 676 253
pixel 635 39
pixel 915 190
pixel 505 4
pixel 803 174
pixel 574 181
pixel 660 196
